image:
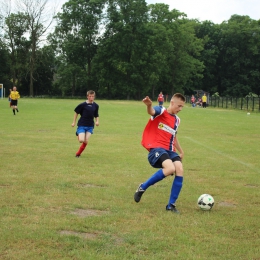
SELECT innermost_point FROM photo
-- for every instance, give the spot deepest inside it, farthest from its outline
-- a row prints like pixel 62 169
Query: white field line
pixel 224 154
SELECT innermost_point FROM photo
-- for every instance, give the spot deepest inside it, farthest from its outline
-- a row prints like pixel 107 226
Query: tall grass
pixel 55 206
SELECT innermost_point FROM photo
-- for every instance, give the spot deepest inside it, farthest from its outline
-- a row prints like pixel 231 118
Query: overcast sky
pixel 216 11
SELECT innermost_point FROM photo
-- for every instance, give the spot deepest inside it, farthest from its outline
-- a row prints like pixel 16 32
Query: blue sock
pixel 176 189
pixel 158 176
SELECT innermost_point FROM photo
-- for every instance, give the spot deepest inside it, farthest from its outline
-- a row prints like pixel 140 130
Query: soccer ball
pixel 205 202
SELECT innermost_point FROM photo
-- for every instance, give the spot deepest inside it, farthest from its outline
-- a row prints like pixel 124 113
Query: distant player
pixel 160 99
pixel 14 96
pixel 204 101
pixel 88 111
pixel 160 139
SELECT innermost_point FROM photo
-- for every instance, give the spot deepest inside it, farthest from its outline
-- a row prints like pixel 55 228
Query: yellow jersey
pixel 14 95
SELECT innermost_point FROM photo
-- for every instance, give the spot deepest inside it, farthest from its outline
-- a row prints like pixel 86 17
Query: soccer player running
pixel 14 96
pixel 88 111
pixel 159 138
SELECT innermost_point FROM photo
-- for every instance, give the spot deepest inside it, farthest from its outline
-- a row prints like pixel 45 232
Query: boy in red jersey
pixel 159 138
pixel 160 99
pixel 88 111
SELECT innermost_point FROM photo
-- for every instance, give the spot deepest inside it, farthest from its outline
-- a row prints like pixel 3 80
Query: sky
pixel 216 11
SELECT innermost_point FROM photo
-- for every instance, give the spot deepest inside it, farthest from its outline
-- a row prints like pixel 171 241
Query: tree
pixel 121 61
pixel 39 19
pixel 75 40
pixel 15 28
pixel 239 56
pixel 5 66
pixel 45 68
pixel 209 33
pixel 182 51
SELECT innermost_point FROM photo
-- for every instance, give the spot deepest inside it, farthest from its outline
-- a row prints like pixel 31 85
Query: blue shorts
pixel 84 129
pixel 155 154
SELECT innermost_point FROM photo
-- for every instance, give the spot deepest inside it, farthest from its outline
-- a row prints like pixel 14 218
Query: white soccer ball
pixel 248 114
pixel 205 202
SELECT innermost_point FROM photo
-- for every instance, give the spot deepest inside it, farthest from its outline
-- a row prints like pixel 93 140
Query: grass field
pixel 55 206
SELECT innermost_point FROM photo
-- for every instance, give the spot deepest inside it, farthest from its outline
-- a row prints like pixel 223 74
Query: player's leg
pixel 176 185
pixel 13 106
pixel 87 136
pixel 83 138
pixel 157 158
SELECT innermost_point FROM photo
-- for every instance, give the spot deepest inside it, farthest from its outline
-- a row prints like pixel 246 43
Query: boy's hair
pixel 179 96
pixel 91 92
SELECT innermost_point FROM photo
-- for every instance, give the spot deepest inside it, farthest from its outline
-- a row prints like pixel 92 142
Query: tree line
pixel 125 49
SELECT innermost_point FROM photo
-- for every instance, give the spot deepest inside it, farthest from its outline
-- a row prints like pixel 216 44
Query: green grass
pixel 55 206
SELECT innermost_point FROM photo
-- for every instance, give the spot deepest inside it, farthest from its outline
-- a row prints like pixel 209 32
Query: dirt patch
pixel 88 212
pixel 79 234
pixel 251 186
pixel 226 204
pixel 118 241
pixel 89 185
pixel 4 185
pixel 91 236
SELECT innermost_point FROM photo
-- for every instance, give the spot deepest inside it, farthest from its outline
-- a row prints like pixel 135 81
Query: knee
pixel 81 140
pixel 170 170
pixel 179 170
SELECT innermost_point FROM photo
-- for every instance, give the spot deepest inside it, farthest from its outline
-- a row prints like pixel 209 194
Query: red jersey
pixel 161 130
pixel 160 97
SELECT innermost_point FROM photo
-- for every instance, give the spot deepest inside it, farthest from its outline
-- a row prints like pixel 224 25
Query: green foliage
pixel 216 94
pixel 75 40
pixel 231 56
pixel 55 206
pixel 146 52
pixel 5 68
pixel 125 49
pixel 250 94
pixel 16 26
pixel 121 63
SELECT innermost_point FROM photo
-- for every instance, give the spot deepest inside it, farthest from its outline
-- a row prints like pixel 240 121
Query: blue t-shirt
pixel 87 111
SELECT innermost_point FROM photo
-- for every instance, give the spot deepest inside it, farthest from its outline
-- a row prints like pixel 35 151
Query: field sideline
pixel 55 206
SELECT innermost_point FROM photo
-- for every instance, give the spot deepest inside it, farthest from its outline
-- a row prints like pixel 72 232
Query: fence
pixel 247 104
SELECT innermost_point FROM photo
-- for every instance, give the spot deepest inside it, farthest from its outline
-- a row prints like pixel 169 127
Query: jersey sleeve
pixel 158 111
pixel 78 109
pixel 96 114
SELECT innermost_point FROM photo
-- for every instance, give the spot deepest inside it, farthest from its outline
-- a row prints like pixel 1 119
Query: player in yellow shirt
pixel 14 96
pixel 204 101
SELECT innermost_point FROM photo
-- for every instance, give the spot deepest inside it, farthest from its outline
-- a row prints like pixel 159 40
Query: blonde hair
pixel 91 92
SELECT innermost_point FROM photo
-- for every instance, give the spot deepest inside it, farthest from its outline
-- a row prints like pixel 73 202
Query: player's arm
pixel 97 121
pixel 148 102
pixel 178 147
pixel 74 119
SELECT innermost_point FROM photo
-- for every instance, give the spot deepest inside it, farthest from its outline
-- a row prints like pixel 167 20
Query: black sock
pixel 14 111
pixel 17 109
